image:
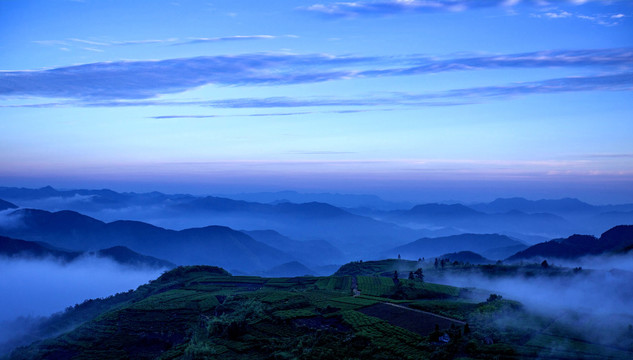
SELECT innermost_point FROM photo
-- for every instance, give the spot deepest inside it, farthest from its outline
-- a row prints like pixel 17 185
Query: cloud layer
pixel 147 79
pixel 390 7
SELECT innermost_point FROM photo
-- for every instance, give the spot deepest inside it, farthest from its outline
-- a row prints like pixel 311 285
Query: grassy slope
pixel 204 312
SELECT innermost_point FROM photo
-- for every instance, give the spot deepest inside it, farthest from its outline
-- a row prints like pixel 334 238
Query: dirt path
pixel 424 312
pixel 355 290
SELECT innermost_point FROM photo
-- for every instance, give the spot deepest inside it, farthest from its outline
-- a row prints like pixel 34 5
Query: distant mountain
pixel 560 206
pixel 209 245
pixel 617 239
pixel 610 219
pixel 318 252
pixel 4 205
pixel 467 257
pixel 125 256
pixel 352 234
pixel 502 253
pixel 15 248
pixel 289 269
pixel 339 200
pixel 434 247
pixel 439 211
pixel 466 219
pixel 22 249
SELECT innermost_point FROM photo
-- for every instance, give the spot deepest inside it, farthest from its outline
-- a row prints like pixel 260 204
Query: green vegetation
pixel 205 313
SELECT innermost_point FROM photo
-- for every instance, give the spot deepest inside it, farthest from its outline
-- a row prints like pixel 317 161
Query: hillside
pixel 15 248
pixel 433 247
pixel 204 312
pixel 467 257
pixel 617 239
pixel 4 205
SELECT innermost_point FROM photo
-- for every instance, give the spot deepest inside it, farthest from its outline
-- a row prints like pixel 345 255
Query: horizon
pixel 237 195
pixel 407 100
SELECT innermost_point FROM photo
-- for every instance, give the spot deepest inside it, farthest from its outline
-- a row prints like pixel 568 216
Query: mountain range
pixel 208 245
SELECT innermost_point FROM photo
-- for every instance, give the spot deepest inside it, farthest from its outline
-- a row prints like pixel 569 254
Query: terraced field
pixel 204 312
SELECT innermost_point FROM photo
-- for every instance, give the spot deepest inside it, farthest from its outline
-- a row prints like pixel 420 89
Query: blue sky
pixel 423 100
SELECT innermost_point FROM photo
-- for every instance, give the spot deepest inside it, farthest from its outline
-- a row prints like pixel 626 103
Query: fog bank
pixel 42 287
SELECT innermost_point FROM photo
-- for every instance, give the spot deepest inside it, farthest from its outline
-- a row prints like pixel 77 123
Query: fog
pixel 42 287
pixel 8 221
pixel 590 304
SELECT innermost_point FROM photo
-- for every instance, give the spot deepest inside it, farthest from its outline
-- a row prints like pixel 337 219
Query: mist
pixel 592 304
pixel 8 221
pixel 33 288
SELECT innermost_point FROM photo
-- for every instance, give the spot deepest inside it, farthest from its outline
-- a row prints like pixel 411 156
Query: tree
pixel 419 275
pixel 544 264
pixel 466 329
pixel 494 297
pixel 436 263
pixel 411 277
pixel 395 277
pixel 398 256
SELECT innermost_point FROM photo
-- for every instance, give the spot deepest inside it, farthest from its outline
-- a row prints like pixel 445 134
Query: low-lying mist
pixel 42 287
pixel 594 304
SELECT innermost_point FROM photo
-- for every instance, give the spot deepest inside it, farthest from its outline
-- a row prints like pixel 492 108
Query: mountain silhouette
pixel 617 239
pixel 207 245
pixel 433 247
pixel 30 250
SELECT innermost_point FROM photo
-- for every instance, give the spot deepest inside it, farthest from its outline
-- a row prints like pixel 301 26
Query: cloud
pixel 263 114
pixel 391 7
pixel 610 156
pixel 466 96
pixel 323 152
pixel 128 80
pixel 456 97
pixel 99 45
pixel 231 38
pixel 557 15
pixel 600 19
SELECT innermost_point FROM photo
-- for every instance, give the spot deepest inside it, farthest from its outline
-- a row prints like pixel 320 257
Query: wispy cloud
pixel 230 38
pixel 391 7
pixel 455 97
pixel 102 44
pixel 275 114
pixel 322 152
pixel 610 156
pixel 600 19
pixel 125 80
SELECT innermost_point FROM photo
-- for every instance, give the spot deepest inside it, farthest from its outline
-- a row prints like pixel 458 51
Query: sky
pixel 423 100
